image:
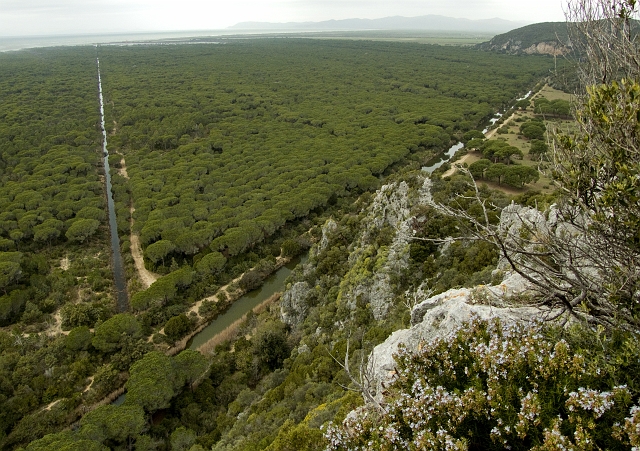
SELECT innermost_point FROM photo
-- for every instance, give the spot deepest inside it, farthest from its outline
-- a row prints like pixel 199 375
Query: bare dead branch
pixel 362 382
pixel 557 253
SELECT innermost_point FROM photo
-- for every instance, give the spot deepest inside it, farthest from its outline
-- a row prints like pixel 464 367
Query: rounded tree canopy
pixel 82 229
pixel 108 334
pixel 177 327
pixel 211 263
pixel 159 250
pixel 78 339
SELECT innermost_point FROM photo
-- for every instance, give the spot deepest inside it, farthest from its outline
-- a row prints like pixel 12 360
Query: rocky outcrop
pixel 390 207
pixel 294 303
pixel 547 48
pixel 328 229
pixel 516 220
pixel 517 47
pixel 550 38
pixel 372 267
pixel 440 315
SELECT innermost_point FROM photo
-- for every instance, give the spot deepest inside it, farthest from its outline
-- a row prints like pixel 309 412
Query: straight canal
pixel 118 267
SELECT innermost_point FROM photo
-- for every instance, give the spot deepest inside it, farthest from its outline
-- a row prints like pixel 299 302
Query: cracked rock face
pixel 546 48
pixel 293 304
pixel 529 229
pixel 328 229
pixel 515 46
pixel 391 208
pixel 440 315
pixel 372 267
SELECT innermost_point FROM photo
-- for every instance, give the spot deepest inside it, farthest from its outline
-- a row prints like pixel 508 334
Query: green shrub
pixel 110 335
pixel 533 129
pixel 538 147
pixel 251 280
pixel 177 327
pixel 291 248
pixel 78 339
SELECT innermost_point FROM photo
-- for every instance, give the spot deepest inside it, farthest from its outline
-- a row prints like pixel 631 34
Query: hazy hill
pixel 429 22
pixel 550 38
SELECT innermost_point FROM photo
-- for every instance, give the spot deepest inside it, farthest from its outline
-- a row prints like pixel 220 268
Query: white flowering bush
pixel 493 386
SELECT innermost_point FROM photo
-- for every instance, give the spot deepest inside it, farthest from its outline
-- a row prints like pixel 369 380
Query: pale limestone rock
pixel 440 315
pixel 391 207
pixel 293 304
pixel 328 229
pixel 514 219
pixel 546 48
pixel 515 46
pixel 512 285
pixel 541 228
pixel 420 310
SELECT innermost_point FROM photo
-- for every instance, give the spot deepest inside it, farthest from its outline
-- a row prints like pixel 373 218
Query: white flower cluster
pixel 632 428
pixel 554 440
pixel 593 400
pixel 489 383
pixel 529 414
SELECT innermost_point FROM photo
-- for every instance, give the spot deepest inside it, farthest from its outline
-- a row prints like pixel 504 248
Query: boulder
pixel 441 315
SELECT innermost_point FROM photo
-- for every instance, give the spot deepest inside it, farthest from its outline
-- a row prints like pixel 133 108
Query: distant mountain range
pixel 426 23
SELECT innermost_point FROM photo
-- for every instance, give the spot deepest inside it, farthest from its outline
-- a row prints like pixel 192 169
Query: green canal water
pixel 272 284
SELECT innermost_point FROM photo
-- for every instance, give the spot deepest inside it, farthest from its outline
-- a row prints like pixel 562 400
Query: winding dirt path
pixel 123 169
pixel 146 277
pixel 54 328
pixel 488 135
pixel 492 132
pixel 454 166
pixel 88 387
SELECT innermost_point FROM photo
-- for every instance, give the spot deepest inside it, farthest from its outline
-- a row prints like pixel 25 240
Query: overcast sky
pixel 46 17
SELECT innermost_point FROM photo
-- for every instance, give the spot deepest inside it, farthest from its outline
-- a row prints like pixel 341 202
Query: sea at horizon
pixel 14 43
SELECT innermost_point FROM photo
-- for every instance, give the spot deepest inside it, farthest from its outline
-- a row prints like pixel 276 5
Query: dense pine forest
pixel 225 144
pixel 225 159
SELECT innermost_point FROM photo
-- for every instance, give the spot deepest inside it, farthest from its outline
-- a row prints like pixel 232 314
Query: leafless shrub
pixel 604 34
pixel 363 381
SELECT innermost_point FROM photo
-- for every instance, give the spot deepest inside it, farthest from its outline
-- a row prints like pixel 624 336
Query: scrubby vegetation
pixel 490 386
pixel 270 131
pixel 240 153
pixel 529 35
pixel 515 155
pixel 51 196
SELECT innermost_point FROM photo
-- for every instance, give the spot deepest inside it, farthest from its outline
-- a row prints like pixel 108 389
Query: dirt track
pixel 146 276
